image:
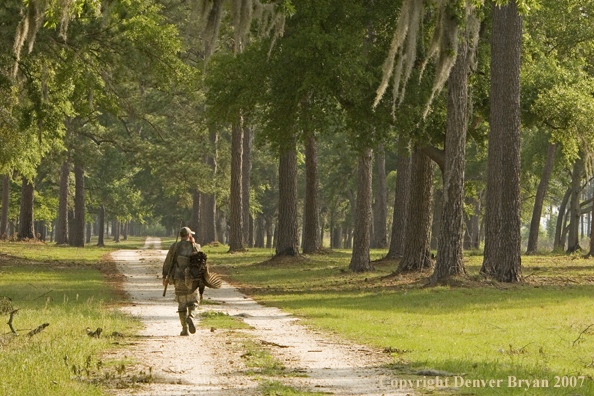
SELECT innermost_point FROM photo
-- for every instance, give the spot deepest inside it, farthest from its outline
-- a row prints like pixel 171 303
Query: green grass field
pixel 480 330
pixel 64 287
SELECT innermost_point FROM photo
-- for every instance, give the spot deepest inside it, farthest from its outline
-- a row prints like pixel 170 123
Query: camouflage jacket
pixel 181 259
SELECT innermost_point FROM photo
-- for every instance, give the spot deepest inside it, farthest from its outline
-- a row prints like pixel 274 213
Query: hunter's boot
pixel 191 326
pixel 182 318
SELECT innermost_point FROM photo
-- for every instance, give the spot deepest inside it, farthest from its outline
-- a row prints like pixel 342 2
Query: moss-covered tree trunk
pixel 287 243
pixel 450 255
pixel 539 200
pixel 236 216
pixel 62 222
pixel 418 221
pixel 26 218
pixel 360 260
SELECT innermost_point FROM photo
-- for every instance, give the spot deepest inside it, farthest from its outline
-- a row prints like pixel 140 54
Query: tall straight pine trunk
pixel 62 223
pixel 5 203
pixel 78 235
pixel 311 218
pixel 360 260
pixel 208 212
pixel 287 243
pixel 450 246
pixel 503 243
pixel 101 227
pixel 26 218
pixel 417 255
pixel 380 207
pixel 539 200
pixel 246 170
pixel 401 202
pixel 236 218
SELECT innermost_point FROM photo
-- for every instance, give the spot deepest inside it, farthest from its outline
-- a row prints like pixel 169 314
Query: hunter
pixel 179 256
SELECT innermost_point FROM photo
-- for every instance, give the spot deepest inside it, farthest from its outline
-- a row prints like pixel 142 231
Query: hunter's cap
pixel 185 231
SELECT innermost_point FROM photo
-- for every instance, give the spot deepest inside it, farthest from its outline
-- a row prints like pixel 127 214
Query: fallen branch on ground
pixel 580 336
pixel 9 323
pixel 38 329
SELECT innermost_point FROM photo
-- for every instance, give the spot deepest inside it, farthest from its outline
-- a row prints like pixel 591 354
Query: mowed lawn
pixel 538 332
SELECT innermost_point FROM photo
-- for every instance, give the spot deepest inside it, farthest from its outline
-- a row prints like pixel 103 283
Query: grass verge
pixel 275 388
pixel 60 287
pixel 538 332
pixel 221 320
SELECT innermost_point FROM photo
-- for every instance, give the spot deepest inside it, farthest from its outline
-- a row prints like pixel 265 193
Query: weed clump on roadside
pixel 5 305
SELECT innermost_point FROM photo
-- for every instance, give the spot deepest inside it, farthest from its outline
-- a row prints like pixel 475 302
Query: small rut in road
pixel 211 362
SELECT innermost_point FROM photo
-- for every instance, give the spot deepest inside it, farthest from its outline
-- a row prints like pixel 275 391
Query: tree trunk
pixel 125 229
pixel 539 200
pixel 62 223
pixel 561 221
pixel 236 200
pixel 360 261
pixel 260 230
pixel 268 233
pixel 418 221
pixel 116 230
pixel 437 214
pixel 209 205
pixel 380 208
pixel 89 232
pixel 246 170
pixel 195 215
pixel 5 203
pixel 573 240
pixel 78 236
pixel 450 254
pixel 322 228
pixel 288 225
pixel 101 233
pixel 311 218
pixel 506 50
pixel 26 218
pixel 401 202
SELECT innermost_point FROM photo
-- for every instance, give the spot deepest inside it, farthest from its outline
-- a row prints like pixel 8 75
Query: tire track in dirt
pixel 211 363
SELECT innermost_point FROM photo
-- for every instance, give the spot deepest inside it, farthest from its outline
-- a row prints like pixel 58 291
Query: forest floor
pixel 270 352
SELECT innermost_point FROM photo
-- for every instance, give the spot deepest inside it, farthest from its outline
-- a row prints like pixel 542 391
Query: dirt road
pixel 210 361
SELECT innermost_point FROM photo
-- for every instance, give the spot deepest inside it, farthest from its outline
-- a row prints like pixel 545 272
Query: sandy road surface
pixel 211 363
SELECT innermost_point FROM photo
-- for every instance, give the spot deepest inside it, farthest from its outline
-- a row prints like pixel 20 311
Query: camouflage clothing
pixel 185 297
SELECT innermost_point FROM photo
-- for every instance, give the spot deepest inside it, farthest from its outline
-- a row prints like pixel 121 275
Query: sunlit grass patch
pixel 71 298
pixel 260 360
pixel 482 329
pixel 275 388
pixel 221 320
pixel 50 252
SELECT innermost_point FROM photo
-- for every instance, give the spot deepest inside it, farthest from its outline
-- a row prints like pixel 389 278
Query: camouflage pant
pixel 183 296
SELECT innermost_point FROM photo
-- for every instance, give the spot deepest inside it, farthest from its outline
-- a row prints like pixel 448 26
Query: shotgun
pixel 173 261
